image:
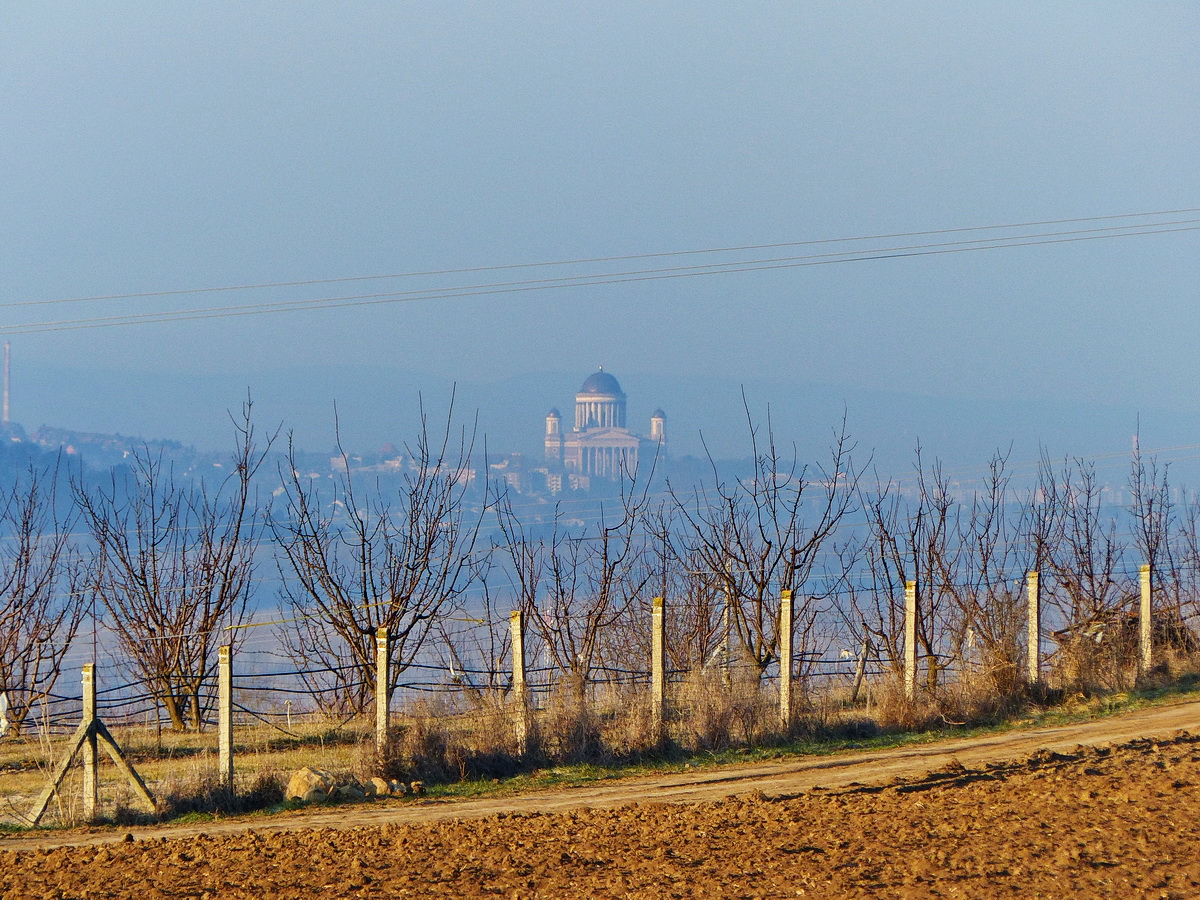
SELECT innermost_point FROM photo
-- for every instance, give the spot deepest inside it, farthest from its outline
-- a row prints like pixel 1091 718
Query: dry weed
pixel 436 742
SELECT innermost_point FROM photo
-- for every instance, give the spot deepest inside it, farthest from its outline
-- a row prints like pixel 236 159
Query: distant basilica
pixel 600 446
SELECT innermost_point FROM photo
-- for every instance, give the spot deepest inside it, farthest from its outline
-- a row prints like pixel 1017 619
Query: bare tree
pixel 694 598
pixel 576 587
pixel 988 589
pixel 1155 528
pixel 353 561
pixel 762 534
pixel 477 651
pixel 913 535
pixel 42 581
pixel 1167 536
pixel 1186 560
pixel 1084 551
pixel 174 567
pixel 1089 591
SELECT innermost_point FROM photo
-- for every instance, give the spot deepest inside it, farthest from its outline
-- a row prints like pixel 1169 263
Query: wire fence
pixel 270 690
pixel 463 697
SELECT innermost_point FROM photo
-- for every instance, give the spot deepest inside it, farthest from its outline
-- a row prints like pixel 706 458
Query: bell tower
pixel 554 435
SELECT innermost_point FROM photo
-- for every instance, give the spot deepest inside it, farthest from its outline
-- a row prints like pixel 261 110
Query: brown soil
pixel 1016 815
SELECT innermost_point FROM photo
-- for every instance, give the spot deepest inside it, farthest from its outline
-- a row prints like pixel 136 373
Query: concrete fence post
pixel 1145 641
pixel 910 640
pixel 382 694
pixel 860 667
pixel 520 690
pixel 658 667
pixel 1033 641
pixel 91 783
pixel 726 626
pixel 225 716
pixel 785 660
pixel 86 742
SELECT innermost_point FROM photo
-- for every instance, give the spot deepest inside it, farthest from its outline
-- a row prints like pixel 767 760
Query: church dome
pixel 601 383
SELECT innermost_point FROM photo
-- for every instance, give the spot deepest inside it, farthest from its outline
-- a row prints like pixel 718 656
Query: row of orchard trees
pixel 969 553
pixel 165 562
pixel 170 565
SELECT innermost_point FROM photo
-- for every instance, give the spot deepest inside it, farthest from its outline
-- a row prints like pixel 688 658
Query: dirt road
pixel 782 778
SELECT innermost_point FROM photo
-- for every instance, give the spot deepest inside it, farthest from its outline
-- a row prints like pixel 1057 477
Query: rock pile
pixel 312 785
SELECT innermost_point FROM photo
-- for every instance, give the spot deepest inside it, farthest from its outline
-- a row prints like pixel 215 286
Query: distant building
pixel 600 446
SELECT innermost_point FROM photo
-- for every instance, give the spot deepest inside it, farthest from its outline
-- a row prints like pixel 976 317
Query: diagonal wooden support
pixel 60 772
pixel 130 773
pixel 90 732
pixel 95 730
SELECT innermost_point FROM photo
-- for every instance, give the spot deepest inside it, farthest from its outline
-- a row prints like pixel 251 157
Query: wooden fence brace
pixel 91 778
pixel 225 717
pixel 382 694
pixel 91 731
pixel 520 692
pixel 910 640
pixel 1033 642
pixel 1144 633
pixel 658 667
pixel 785 660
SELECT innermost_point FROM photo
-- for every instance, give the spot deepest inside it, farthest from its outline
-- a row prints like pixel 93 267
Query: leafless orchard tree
pixel 988 590
pixel 42 583
pixel 1183 593
pixel 1166 534
pixel 1088 589
pixel 765 533
pixel 694 598
pixel 353 561
pixel 1153 515
pixel 912 535
pixel 1084 549
pixel 476 648
pixel 575 588
pixel 174 566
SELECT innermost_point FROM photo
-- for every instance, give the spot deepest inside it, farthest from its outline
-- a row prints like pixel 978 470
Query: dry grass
pixel 180 769
pixel 713 713
pixel 437 741
pixel 473 735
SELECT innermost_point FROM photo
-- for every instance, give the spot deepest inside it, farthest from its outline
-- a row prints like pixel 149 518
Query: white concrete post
pixel 1144 633
pixel 785 660
pixel 225 716
pixel 382 695
pixel 658 666
pixel 860 668
pixel 91 783
pixel 910 640
pixel 520 691
pixel 726 627
pixel 1033 642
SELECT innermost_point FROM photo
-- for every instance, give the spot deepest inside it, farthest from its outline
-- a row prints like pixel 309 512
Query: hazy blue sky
pixel 153 146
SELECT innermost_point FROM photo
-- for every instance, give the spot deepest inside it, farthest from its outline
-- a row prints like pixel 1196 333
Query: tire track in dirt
pixel 773 778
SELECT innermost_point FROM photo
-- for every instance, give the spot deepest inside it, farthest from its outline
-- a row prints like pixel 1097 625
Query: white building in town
pixel 600 445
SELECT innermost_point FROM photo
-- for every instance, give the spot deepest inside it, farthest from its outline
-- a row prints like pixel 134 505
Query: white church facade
pixel 600 445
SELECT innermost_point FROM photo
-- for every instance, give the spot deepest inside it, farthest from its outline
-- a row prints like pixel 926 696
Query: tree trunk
pixel 172 705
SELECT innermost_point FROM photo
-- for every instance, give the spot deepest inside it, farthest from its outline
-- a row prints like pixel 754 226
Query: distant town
pixel 589 455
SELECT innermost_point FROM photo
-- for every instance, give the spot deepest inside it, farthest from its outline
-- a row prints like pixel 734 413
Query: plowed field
pixel 1117 820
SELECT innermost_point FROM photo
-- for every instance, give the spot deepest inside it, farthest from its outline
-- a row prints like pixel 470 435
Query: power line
pixel 591 279
pixel 594 259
